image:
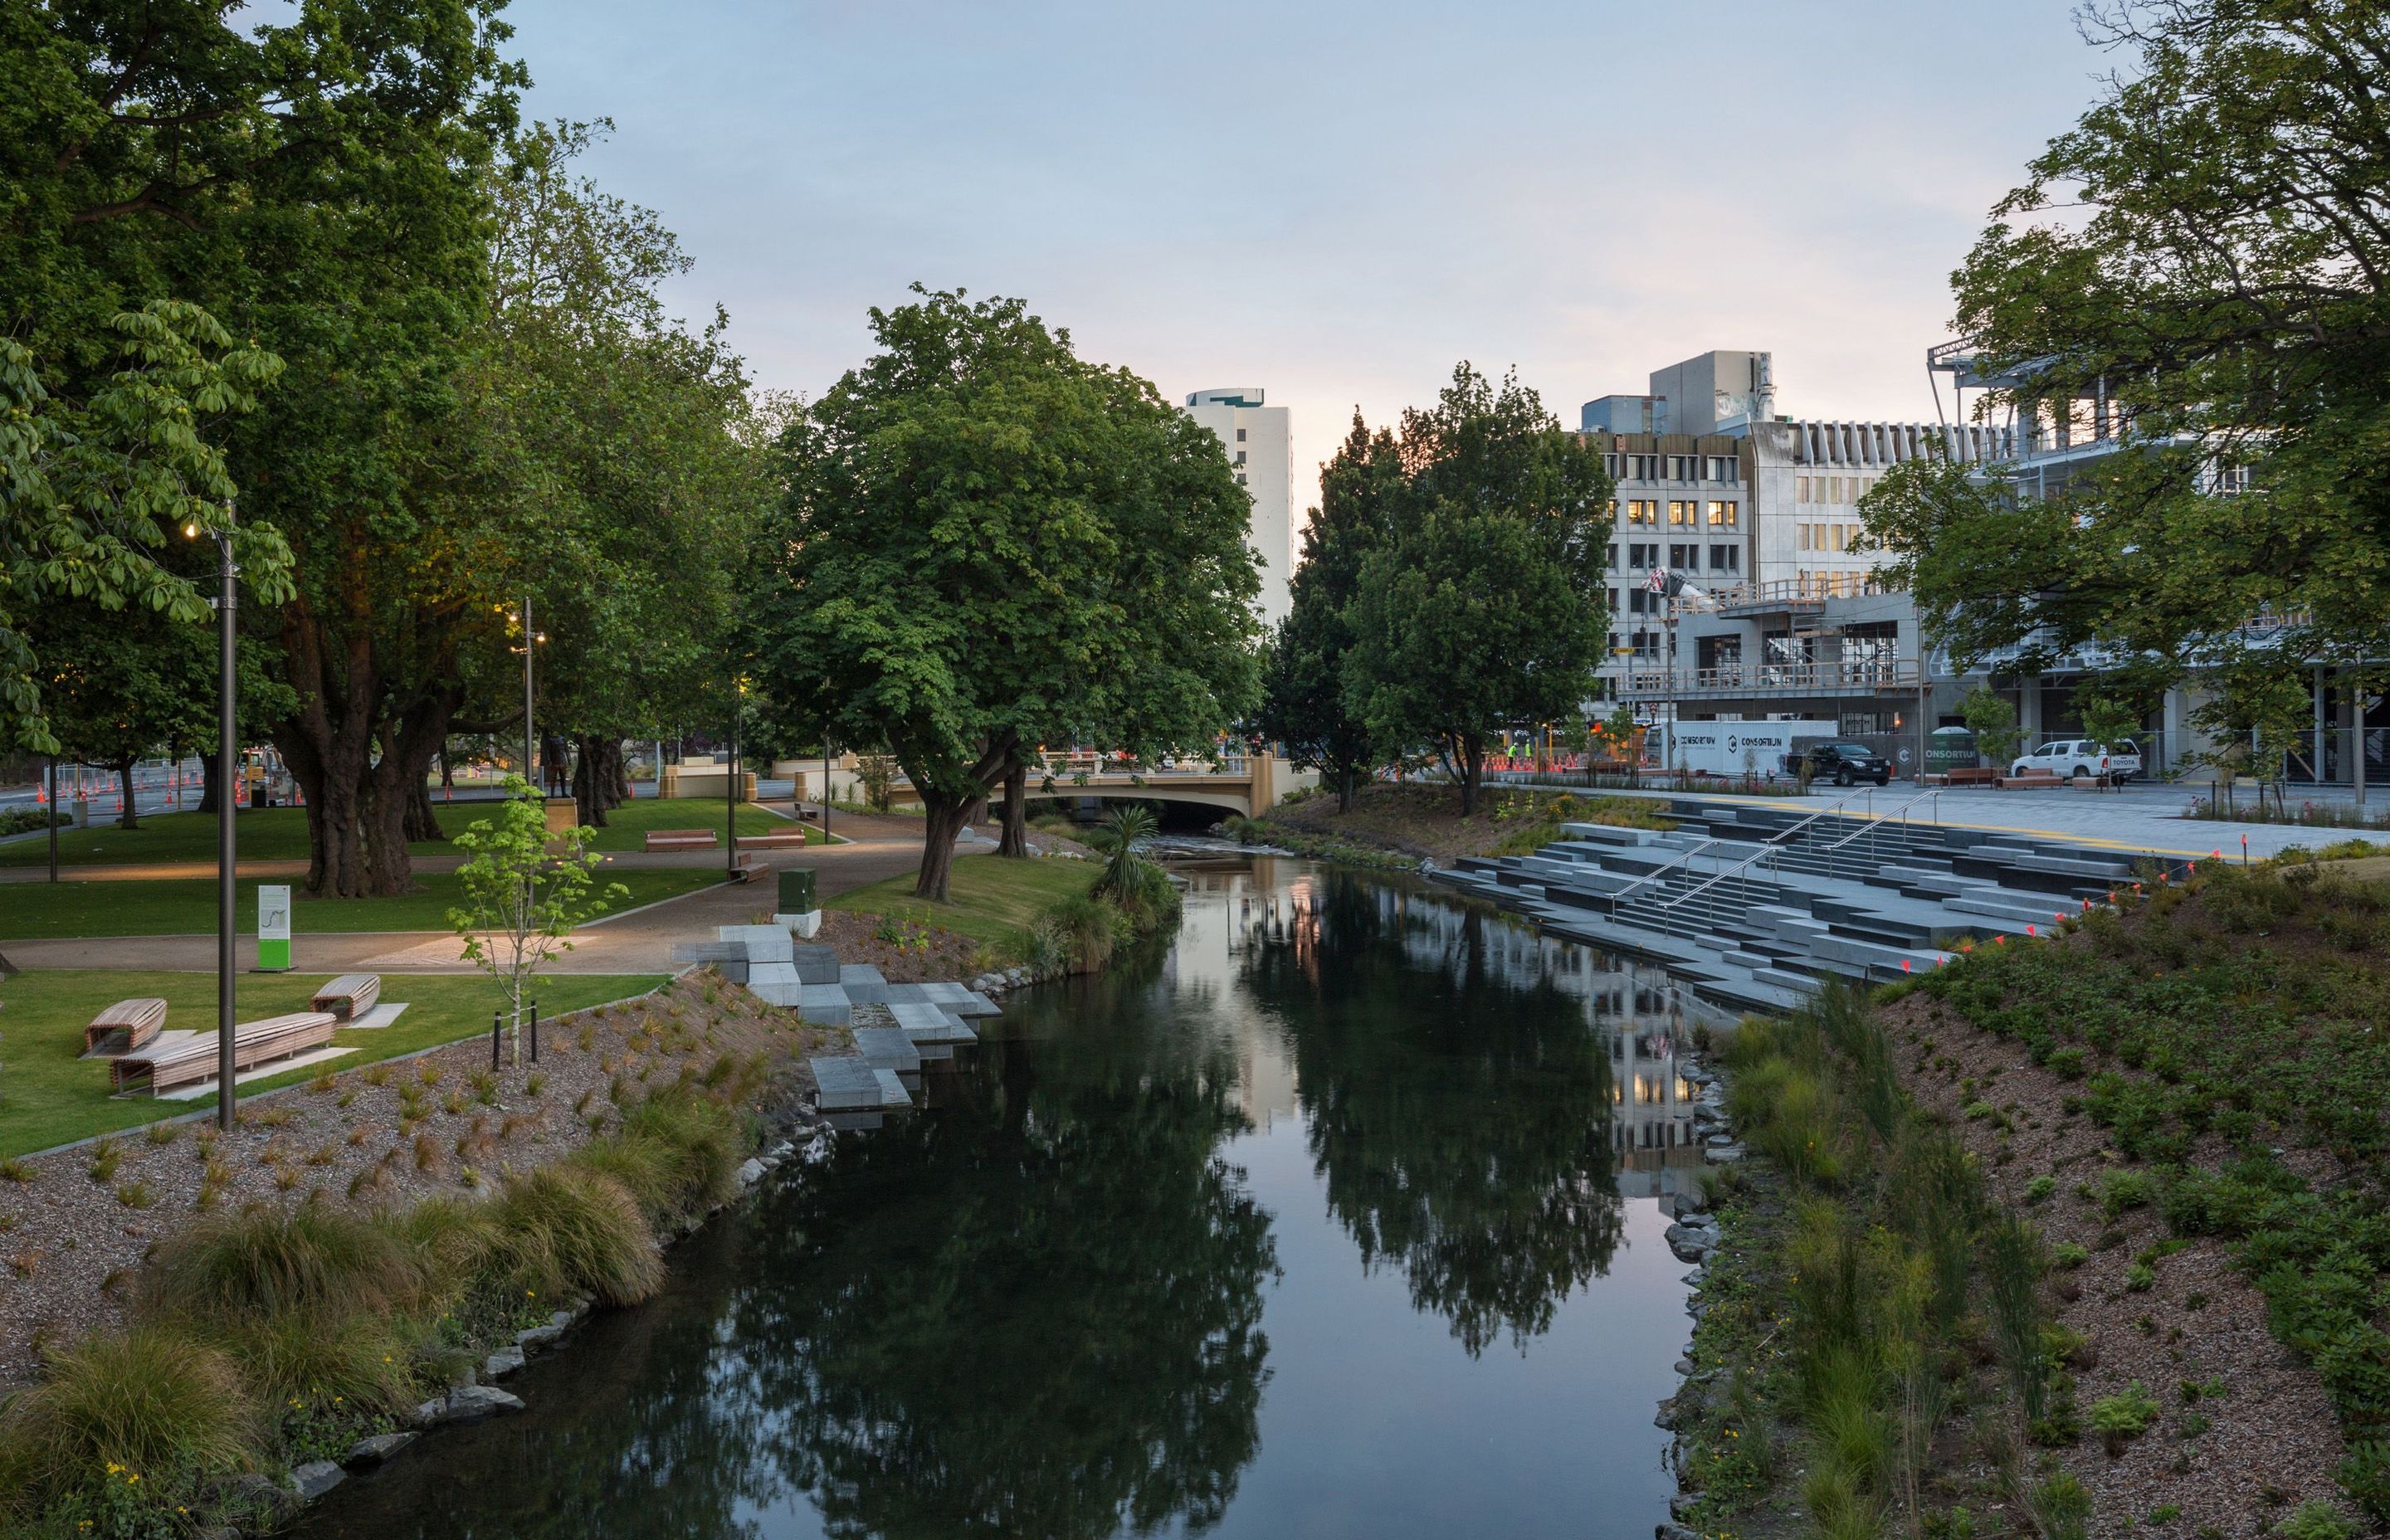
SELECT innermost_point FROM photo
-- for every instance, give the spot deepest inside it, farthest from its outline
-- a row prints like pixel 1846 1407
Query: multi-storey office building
pixel 1256 439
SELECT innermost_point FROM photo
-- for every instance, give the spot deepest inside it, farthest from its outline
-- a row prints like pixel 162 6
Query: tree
pixel 525 889
pixel 1304 704
pixel 185 152
pixel 1993 722
pixel 2200 260
pixel 644 463
pixel 1483 608
pixel 988 542
pixel 101 492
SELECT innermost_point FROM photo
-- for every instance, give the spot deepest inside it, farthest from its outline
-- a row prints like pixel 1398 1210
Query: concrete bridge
pixel 1248 784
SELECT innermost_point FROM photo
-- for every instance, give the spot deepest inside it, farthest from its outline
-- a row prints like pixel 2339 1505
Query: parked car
pixel 2082 756
pixel 1843 762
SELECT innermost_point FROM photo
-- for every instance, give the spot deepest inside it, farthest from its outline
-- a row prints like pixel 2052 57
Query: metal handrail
pixel 1774 847
pixel 1874 818
pixel 1664 867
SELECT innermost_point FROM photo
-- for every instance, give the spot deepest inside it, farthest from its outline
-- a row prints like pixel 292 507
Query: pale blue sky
pixel 1334 201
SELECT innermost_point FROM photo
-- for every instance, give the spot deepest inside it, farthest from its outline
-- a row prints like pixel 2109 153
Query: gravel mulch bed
pixel 72 1241
pixel 2271 1441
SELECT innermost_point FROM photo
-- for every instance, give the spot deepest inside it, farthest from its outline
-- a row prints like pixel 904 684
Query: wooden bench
pixel 1985 776
pixel 190 1058
pixel 347 996
pixel 124 1026
pixel 2031 780
pixel 789 840
pixel 682 839
pixel 748 869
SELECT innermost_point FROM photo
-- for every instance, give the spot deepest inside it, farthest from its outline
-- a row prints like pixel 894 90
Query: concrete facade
pixel 1256 439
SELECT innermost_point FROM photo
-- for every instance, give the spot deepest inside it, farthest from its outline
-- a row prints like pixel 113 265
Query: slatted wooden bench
pixel 124 1026
pixel 682 839
pixel 2032 780
pixel 347 996
pixel 748 869
pixel 190 1058
pixel 1985 776
pixel 775 840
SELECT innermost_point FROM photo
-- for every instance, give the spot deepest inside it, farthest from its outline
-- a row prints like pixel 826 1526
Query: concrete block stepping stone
pixel 815 965
pixel 860 973
pixel 761 942
pixel 779 994
pixel 825 1002
pixel 978 1004
pixel 847 1084
pixel 772 973
pixel 888 1048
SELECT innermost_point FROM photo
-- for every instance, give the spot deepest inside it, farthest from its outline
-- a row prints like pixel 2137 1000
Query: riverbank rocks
pixel 504 1362
pixel 314 1478
pixel 531 1338
pixel 1722 1154
pixel 258 1501
pixel 751 1172
pixel 1692 1242
pixel 466 1404
pixel 1672 1531
pixel 381 1447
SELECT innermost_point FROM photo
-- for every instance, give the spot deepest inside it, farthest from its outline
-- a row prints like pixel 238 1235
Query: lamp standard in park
pixel 731 787
pixel 227 799
pixel 531 639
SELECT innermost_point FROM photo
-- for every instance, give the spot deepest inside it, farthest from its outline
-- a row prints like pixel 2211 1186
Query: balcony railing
pixel 1853 677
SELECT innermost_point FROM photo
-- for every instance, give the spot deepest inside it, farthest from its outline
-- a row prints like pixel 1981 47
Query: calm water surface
pixel 1339 1217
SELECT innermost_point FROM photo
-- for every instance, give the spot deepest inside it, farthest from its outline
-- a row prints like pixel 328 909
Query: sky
pixel 1335 201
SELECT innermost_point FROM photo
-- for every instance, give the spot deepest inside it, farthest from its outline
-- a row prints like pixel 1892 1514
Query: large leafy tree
pixel 988 542
pixel 632 447
pixel 1482 608
pixel 316 180
pixel 1304 701
pixel 2201 257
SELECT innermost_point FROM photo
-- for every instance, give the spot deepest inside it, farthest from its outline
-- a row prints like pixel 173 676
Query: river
pixel 1337 1216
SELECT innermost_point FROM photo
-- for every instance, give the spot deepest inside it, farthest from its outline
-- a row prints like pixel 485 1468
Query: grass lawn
pixel 181 905
pixel 987 900
pixel 48 1096
pixel 280 833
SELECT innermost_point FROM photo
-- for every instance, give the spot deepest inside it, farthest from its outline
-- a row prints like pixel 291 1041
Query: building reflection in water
pixel 1644 1017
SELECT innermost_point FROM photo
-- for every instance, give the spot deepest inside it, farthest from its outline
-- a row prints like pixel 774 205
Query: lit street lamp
pixel 531 639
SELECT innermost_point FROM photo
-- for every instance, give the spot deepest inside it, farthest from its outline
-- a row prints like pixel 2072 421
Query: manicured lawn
pixel 48 1096
pixel 988 900
pixel 172 906
pixel 280 833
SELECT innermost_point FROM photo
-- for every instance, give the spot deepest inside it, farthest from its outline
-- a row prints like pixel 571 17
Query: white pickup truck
pixel 2068 757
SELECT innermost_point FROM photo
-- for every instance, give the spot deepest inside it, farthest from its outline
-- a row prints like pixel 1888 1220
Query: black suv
pixel 1845 762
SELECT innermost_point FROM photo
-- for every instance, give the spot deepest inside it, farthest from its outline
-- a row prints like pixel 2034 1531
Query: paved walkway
pixel 153 871
pixel 636 942
pixel 2133 818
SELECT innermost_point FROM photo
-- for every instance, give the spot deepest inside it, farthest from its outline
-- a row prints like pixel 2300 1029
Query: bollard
pixel 534 1032
pixel 495 1018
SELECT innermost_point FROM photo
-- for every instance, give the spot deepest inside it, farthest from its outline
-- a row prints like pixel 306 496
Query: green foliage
pixel 1992 720
pixel 523 896
pixel 2316 1520
pixel 2198 253
pixel 1482 608
pixel 2126 1415
pixel 570 1230
pixel 1305 703
pixel 989 543
pixel 148 1401
pixel 259 1260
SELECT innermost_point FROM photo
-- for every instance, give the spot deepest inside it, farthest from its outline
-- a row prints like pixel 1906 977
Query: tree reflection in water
pixel 1035 1312
pixel 1459 1104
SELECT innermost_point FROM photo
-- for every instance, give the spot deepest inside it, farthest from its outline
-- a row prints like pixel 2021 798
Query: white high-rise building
pixel 1255 438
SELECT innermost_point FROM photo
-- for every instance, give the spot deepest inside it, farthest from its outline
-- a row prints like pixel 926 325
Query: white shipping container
pixel 1732 748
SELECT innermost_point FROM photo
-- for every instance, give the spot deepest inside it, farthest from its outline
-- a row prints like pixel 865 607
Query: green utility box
pixel 797 891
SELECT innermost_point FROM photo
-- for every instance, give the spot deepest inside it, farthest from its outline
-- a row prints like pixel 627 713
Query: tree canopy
pixel 989 543
pixel 2201 257
pixel 1481 609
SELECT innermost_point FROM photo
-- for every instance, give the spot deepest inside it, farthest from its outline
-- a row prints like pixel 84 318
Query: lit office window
pixel 1682 514
pixel 1724 516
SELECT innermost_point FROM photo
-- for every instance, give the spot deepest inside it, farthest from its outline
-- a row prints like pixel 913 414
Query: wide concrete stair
pixel 1758 906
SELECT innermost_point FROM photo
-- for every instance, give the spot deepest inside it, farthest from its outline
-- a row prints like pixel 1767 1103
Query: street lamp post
pixel 228 801
pixel 730 782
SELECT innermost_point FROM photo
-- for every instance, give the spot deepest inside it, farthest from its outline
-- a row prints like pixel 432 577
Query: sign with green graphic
pixel 273 929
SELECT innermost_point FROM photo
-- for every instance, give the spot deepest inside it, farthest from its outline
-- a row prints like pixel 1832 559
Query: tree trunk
pixel 618 768
pixel 358 803
pixel 422 823
pixel 129 818
pixel 1345 777
pixel 946 818
pixel 589 781
pixel 208 783
pixel 1016 811
pixel 1472 773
